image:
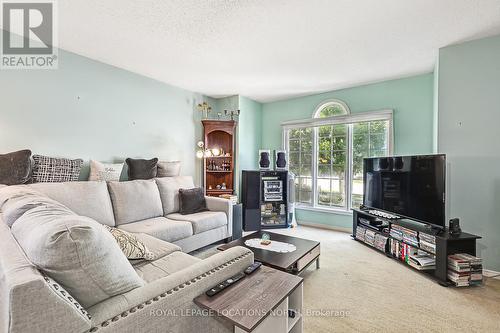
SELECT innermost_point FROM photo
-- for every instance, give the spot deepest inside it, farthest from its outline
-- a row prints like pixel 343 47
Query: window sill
pixel 338 211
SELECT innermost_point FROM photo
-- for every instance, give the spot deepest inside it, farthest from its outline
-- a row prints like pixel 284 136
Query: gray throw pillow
pixel 15 168
pixel 169 169
pixel 192 201
pixel 55 170
pixel 142 169
pixel 76 252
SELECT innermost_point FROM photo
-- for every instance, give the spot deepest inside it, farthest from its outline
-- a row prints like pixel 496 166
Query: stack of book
pixel 233 198
pixel 409 236
pixel 360 233
pixel 422 261
pixel 380 242
pixel 396 233
pixel 370 237
pixel 428 242
pixel 465 269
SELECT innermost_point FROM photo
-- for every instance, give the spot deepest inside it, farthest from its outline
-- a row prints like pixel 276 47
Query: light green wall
pixel 410 98
pixel 469 117
pixel 90 110
pixel 248 133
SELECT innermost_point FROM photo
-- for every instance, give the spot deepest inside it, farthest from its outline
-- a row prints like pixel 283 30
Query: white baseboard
pixel 491 274
pixel 324 226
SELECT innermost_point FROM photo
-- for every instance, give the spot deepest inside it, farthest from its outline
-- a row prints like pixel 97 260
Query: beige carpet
pixel 360 290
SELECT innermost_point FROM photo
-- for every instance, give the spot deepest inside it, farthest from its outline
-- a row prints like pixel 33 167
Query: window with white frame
pixel 326 153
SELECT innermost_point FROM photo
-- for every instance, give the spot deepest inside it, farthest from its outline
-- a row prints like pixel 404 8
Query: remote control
pixel 224 284
pixel 252 268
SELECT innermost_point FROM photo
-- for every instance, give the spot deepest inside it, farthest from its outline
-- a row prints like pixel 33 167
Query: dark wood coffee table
pixel 294 262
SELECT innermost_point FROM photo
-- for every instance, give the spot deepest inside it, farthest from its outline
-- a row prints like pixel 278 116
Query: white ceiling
pixel 271 49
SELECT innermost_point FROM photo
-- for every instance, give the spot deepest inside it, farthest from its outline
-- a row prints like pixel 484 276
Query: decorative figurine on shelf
pixel 223 187
pixel 209 187
pixel 265 239
pixel 205 109
pixel 218 187
pixel 232 113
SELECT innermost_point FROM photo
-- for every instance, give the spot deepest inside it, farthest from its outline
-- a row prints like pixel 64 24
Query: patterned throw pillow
pixel 105 172
pixel 130 245
pixel 55 170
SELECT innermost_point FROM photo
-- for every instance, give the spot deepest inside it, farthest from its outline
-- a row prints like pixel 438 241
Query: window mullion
pixel 349 175
pixel 314 168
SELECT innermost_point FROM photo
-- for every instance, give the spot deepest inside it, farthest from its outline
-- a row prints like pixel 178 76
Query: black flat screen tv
pixel 409 186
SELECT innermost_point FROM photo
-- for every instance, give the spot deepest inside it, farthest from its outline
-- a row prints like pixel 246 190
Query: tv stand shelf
pixel 446 244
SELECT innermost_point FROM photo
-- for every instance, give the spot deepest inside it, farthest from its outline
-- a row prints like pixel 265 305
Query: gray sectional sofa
pixel 37 297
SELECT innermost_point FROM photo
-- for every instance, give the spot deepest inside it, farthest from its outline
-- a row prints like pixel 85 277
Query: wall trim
pixel 491 274
pixel 325 226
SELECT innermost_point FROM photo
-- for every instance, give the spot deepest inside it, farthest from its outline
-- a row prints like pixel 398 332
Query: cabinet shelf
pixel 219 134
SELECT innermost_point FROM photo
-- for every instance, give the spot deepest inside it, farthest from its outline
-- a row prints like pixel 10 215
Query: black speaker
pixel 454 228
pixel 281 162
pixel 265 159
pixel 237 221
pixel 250 198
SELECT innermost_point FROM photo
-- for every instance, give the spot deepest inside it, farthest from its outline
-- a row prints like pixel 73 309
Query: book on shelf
pixel 465 269
pixel 380 241
pixel 430 239
pixel 370 237
pixel 424 245
pixel 360 233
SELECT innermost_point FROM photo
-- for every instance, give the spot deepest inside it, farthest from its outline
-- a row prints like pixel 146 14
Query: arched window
pixel 331 108
pixel 326 153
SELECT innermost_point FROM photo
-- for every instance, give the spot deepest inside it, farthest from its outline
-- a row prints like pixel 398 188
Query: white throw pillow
pixel 105 171
pixel 169 169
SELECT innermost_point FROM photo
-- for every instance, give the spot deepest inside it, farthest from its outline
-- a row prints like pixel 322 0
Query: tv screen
pixel 409 186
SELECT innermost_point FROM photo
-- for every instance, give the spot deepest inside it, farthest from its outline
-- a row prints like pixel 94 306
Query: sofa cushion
pixel 106 172
pixel 154 270
pixel 169 191
pixel 55 170
pixel 76 252
pixel 203 221
pixel 142 169
pixel 17 200
pixel 89 199
pixel 156 246
pixel 135 200
pixel 162 228
pixel 15 167
pixel 169 169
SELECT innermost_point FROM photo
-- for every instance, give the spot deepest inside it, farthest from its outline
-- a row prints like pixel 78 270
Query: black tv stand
pixel 446 244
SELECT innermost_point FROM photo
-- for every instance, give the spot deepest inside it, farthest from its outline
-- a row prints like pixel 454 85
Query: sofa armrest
pixel 222 205
pixel 167 304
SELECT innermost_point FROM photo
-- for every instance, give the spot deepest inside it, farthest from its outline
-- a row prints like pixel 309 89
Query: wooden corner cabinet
pixel 218 169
